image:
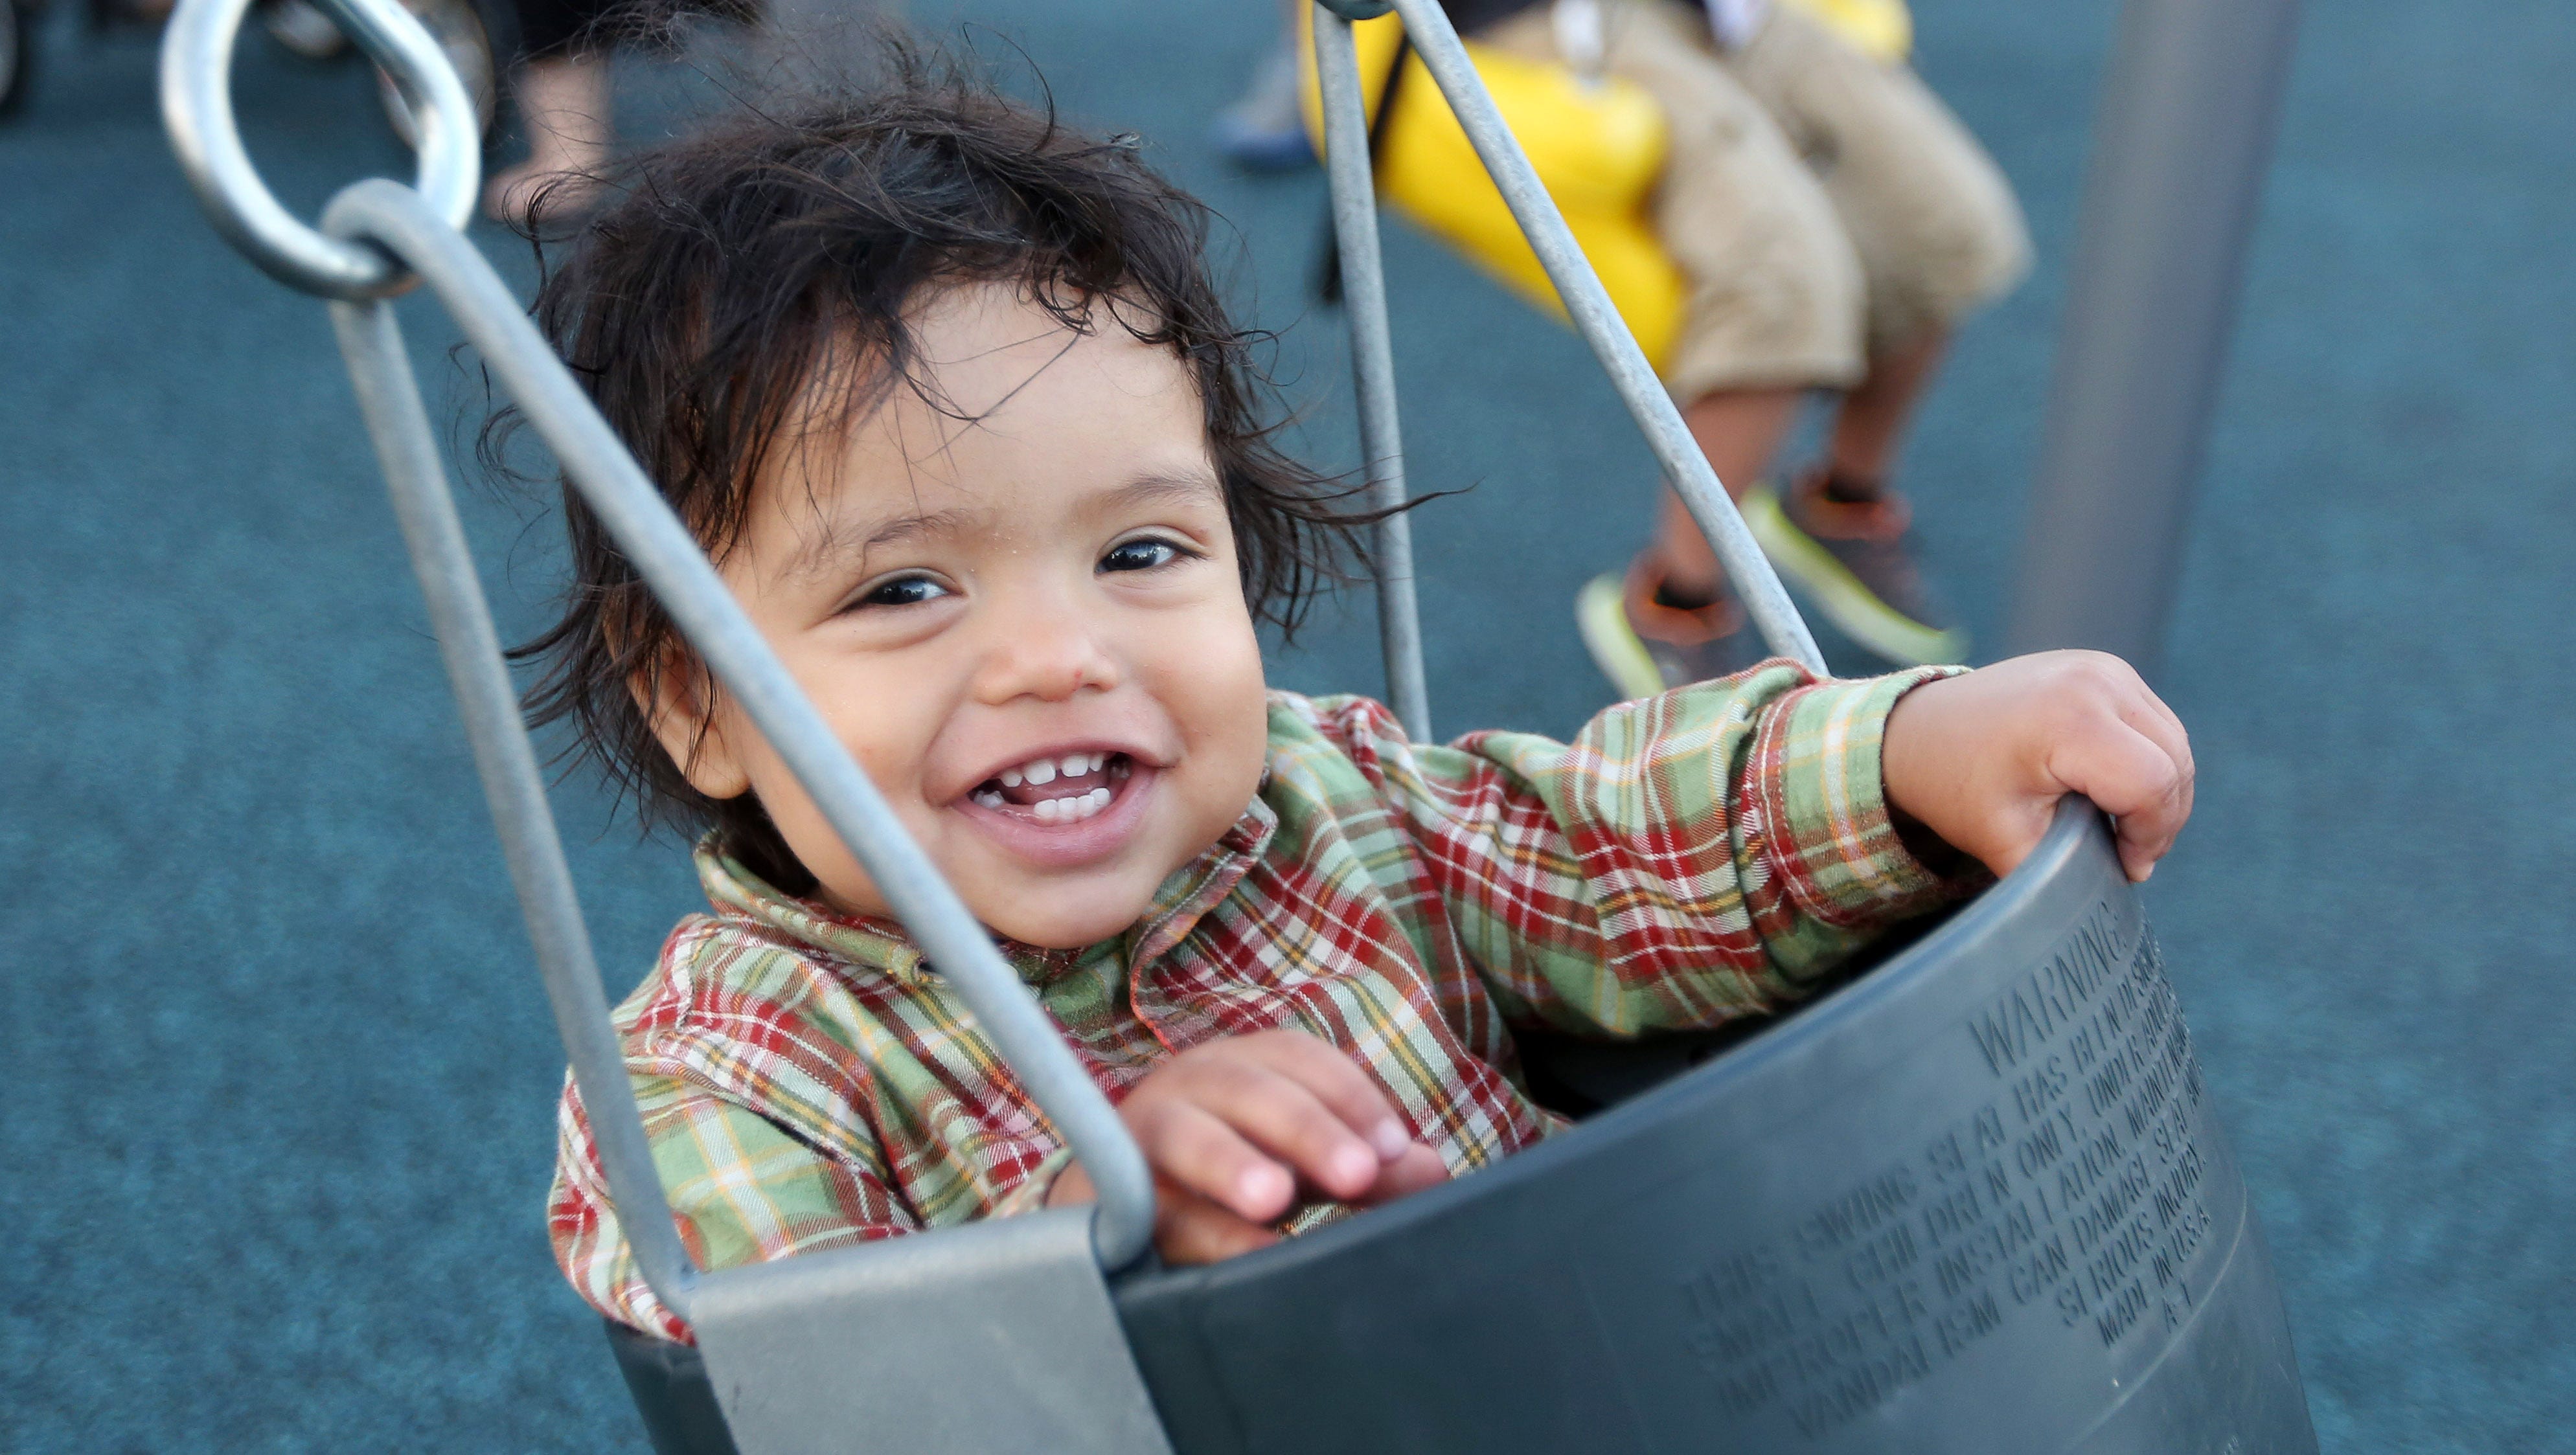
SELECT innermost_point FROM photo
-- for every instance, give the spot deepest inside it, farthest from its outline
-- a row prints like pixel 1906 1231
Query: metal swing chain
pixel 1346 158
pixel 1588 304
pixel 380 237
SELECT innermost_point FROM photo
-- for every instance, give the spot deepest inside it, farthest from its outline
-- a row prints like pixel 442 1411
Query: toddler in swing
pixel 947 393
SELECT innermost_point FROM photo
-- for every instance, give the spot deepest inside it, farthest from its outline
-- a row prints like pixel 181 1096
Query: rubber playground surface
pixel 281 1077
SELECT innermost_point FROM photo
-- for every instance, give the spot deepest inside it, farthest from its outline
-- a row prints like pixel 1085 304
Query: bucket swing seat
pixel 1976 1200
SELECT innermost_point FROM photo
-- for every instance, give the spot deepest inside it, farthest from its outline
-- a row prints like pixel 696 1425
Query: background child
pixel 1835 224
pixel 946 392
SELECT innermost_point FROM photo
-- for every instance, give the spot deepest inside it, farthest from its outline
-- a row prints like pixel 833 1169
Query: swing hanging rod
pixel 1346 159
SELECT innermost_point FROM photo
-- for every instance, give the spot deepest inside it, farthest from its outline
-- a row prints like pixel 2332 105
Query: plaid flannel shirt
pixel 807 1080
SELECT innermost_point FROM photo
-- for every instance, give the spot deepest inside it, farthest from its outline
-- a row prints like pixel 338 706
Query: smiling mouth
pixel 1058 789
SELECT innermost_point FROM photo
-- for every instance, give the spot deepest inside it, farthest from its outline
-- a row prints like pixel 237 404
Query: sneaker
pixel 1855 561
pixel 1644 646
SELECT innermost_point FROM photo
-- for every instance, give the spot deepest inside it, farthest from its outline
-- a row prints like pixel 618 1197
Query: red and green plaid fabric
pixel 808 1081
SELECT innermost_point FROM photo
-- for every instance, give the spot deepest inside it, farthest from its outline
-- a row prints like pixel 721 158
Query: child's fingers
pixel 1190 1229
pixel 1337 1081
pixel 2148 793
pixel 2141 784
pixel 2147 836
pixel 1196 1149
pixel 1284 1118
pixel 2166 731
pixel 1418 1168
pixel 2149 715
pixel 2155 827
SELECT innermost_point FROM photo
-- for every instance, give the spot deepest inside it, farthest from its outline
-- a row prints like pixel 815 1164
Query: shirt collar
pixel 1186 897
pixel 873 943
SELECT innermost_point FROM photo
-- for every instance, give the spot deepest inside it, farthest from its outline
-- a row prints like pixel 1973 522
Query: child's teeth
pixel 1073 807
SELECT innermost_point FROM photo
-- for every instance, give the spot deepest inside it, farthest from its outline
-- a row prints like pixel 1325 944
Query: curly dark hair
pixel 730 273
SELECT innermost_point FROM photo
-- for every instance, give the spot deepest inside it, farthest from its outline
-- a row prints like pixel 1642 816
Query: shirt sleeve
pixel 741 1188
pixel 764 1121
pixel 1688 859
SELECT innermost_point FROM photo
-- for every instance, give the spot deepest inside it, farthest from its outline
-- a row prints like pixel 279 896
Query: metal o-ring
pixel 197 107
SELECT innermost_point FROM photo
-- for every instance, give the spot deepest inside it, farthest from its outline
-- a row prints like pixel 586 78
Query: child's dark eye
pixel 1144 555
pixel 902 591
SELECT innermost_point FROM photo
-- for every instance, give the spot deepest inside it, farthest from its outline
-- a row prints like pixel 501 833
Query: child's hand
pixel 1234 1127
pixel 1981 760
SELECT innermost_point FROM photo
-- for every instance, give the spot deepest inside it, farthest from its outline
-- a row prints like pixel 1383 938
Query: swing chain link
pixel 1357 10
pixel 197 108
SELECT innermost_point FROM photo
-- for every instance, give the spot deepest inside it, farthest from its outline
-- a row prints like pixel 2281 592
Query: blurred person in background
pixel 561 84
pixel 1833 222
pixel 1262 131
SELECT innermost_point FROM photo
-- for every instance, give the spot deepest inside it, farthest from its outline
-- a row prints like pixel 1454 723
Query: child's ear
pixel 678 698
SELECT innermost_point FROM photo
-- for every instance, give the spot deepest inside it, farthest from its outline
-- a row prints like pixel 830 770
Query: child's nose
pixel 1049 652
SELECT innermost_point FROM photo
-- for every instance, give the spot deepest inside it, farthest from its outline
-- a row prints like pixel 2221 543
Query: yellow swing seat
pixel 1597 145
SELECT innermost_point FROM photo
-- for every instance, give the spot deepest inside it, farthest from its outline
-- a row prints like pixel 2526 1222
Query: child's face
pixel 1027 625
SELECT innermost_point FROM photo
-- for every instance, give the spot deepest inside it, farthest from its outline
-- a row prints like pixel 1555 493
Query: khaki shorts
pixel 1822 206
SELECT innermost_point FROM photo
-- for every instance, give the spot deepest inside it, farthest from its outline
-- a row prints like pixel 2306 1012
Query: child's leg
pixel 1874 416
pixel 1775 302
pixel 1740 431
pixel 1929 215
pixel 1775 308
pixel 1936 232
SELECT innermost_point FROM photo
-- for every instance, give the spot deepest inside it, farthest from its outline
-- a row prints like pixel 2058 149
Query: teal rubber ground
pixel 281 1080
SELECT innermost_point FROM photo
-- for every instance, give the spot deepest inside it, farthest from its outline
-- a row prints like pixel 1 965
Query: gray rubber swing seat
pixel 1974 1200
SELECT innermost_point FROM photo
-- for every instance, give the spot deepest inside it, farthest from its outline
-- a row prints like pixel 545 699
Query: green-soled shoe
pixel 1856 563
pixel 1645 647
